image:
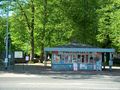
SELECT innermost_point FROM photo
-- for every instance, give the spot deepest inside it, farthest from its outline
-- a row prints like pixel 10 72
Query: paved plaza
pixel 37 77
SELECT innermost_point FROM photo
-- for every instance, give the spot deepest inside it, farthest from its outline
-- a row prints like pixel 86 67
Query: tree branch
pixel 27 21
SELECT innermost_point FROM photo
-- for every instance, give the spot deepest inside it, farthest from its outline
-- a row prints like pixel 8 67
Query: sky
pixel 1 11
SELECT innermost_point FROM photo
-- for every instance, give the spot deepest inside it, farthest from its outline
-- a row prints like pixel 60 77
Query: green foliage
pixel 82 14
pixel 94 22
pixel 2 33
pixel 109 23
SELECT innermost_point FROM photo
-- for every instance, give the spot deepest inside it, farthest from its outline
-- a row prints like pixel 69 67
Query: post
pixel 104 61
pixel 7 32
pixel 100 61
pixel 45 61
pixel 110 62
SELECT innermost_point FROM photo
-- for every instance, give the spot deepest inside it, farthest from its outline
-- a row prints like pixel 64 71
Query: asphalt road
pixel 11 81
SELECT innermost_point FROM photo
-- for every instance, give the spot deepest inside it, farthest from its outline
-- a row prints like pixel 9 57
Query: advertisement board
pixel 18 54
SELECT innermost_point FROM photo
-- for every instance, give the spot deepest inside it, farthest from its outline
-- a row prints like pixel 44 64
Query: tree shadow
pixel 26 69
pixel 63 75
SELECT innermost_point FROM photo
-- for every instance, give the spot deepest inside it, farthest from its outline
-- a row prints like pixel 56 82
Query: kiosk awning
pixel 81 49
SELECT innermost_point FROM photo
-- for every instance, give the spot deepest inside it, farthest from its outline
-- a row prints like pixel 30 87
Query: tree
pixel 2 33
pixel 35 24
pixel 109 23
pixel 84 19
pixel 28 15
pixel 3 20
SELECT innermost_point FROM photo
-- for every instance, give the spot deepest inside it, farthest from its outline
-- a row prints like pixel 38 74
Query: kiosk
pixel 85 56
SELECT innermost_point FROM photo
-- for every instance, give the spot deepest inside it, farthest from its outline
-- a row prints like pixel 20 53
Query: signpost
pixel 18 54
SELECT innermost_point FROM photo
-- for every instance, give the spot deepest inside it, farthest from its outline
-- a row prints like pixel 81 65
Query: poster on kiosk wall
pixel 75 66
pixel 83 66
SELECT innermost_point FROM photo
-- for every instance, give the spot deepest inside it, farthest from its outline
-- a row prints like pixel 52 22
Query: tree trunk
pixel 44 29
pixel 32 45
pixel 32 30
pixel 42 53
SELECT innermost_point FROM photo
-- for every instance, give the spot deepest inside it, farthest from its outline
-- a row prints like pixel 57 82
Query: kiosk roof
pixel 79 48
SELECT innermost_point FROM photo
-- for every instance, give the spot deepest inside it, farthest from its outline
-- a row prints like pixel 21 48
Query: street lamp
pixel 7 36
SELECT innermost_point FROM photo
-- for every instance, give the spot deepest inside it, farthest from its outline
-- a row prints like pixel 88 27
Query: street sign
pixel 27 58
pixel 6 60
pixel 9 56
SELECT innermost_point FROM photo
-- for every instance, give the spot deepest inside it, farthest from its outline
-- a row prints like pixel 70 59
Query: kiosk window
pixel 86 58
pixel 78 56
pixel 82 58
pixel 91 59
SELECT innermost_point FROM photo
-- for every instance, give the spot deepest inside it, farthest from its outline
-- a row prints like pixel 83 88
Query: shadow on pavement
pixel 41 69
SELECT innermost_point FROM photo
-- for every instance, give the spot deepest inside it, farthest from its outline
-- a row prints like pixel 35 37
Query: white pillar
pixel 45 61
pixel 110 62
pixel 85 57
pixel 100 61
pixel 110 56
pixel 88 57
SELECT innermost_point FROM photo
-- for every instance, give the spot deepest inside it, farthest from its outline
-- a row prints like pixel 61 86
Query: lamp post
pixel 7 36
